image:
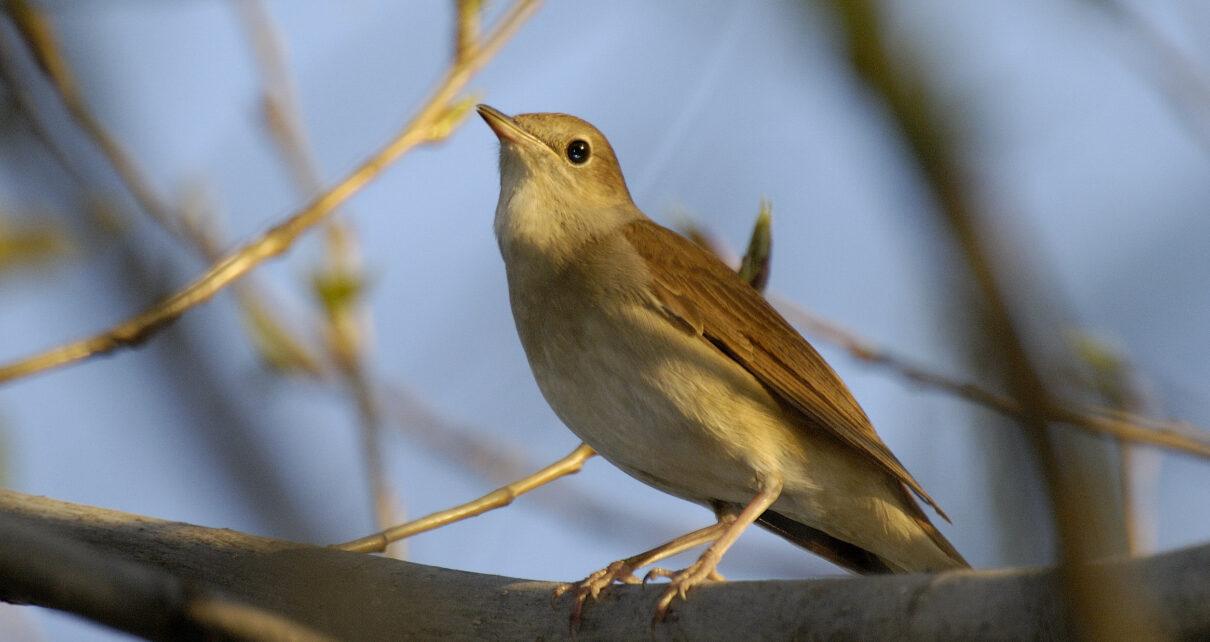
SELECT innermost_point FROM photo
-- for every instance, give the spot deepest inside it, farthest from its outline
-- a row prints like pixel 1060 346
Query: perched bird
pixel 658 356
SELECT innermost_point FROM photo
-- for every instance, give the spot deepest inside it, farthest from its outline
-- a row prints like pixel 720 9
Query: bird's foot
pixel 705 569
pixel 620 572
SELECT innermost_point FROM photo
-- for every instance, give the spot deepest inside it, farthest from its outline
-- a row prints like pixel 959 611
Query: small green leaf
pixel 337 290
pixel 755 266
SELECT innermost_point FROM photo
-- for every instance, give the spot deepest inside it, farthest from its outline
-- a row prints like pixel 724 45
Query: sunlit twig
pixel 38 34
pixel 568 465
pixel 435 120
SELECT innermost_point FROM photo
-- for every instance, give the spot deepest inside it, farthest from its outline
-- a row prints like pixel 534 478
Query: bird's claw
pixel 699 572
pixel 590 587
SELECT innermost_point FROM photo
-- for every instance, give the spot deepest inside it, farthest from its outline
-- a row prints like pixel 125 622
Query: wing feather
pixel 699 292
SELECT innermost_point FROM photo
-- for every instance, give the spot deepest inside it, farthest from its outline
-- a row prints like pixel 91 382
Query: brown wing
pixel 699 291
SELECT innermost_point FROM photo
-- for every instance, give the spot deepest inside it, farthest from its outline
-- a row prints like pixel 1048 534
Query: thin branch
pixel 339 283
pixel 475 451
pixel 1183 82
pixel 466 34
pixel 1173 435
pixel 279 95
pixel 1113 379
pixel 499 498
pixel 382 499
pixel 432 123
pixel 38 34
pixel 363 597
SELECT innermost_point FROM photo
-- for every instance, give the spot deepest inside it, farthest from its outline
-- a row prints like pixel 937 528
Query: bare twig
pixel 499 498
pixel 1183 82
pixel 1116 383
pixel 339 283
pixel 1178 436
pixel 39 35
pixel 432 123
pixel 382 499
pixel 466 35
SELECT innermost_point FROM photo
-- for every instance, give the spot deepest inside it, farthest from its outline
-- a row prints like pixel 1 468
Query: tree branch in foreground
pixel 364 597
pixel 41 566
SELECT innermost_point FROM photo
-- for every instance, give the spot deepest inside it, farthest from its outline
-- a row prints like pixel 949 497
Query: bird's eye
pixel 578 151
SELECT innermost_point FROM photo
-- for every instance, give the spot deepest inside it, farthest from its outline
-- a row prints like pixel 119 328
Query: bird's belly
pixel 664 406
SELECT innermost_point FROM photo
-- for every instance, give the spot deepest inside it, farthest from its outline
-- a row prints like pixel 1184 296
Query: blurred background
pixel 1076 132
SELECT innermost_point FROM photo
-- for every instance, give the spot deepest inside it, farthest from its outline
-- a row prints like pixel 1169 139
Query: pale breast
pixel 661 404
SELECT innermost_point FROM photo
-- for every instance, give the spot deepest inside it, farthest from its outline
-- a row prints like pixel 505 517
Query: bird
pixel 661 358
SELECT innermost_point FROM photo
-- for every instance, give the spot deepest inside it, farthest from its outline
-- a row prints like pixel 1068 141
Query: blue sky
pixel 1073 152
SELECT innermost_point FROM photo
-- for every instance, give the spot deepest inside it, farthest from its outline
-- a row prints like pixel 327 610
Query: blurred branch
pixel 435 120
pixel 226 429
pixel 466 35
pixel 1115 382
pixel 1183 81
pixel 363 597
pixel 26 245
pixel 268 331
pixel 279 97
pixel 38 565
pixel 339 283
pixel 1078 510
pixel 38 33
pixel 382 499
pixel 1173 435
pixel 1116 423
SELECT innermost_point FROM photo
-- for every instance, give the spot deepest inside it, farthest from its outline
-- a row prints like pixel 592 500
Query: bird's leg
pixel 706 566
pixel 623 570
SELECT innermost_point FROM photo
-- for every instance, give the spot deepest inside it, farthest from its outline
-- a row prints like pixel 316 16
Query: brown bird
pixel 658 356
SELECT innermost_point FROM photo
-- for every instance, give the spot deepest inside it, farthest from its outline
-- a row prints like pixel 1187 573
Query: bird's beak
pixel 506 128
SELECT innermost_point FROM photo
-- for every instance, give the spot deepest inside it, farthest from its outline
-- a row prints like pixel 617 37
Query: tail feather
pixel 925 524
pixel 839 552
pixel 857 559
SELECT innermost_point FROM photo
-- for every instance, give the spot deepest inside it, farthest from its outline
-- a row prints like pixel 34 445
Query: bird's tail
pixel 932 554
pixel 839 552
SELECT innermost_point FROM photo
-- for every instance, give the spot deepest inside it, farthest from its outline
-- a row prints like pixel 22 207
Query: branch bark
pixel 351 596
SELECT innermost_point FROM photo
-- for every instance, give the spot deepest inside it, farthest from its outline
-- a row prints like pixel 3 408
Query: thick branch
pixel 39 566
pixel 363 597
